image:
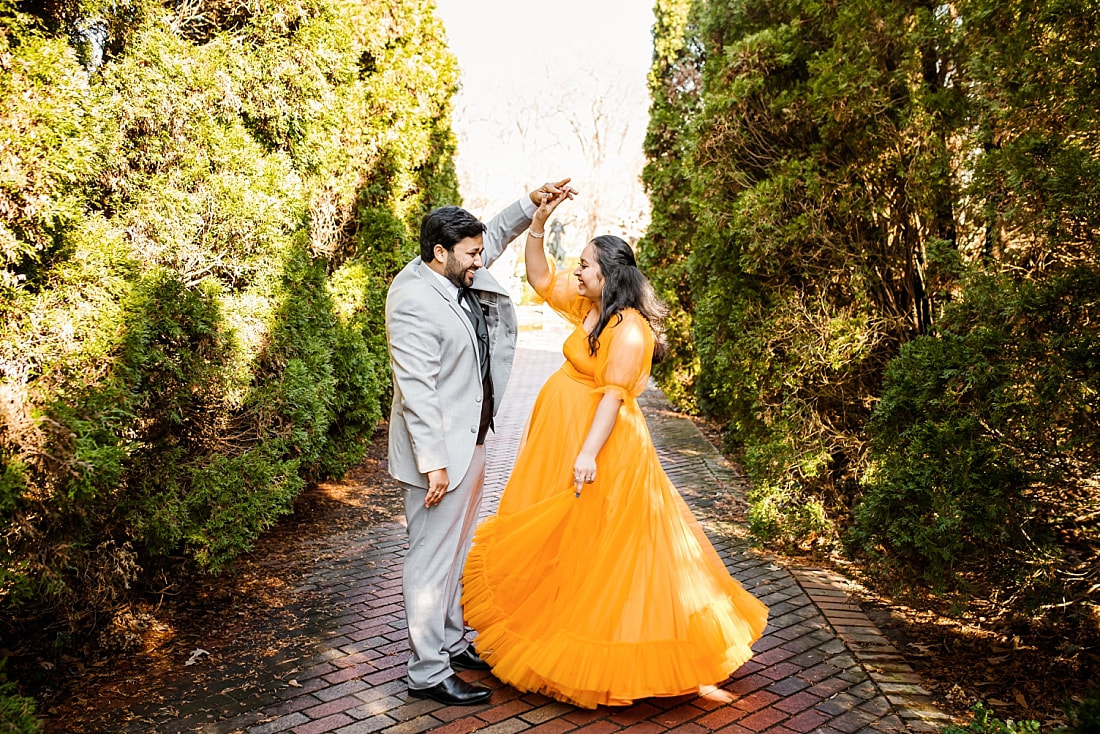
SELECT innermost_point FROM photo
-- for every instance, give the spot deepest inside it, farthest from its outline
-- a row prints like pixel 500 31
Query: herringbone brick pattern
pixel 822 666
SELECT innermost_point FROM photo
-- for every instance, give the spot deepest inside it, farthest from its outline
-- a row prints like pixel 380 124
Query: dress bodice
pixel 623 358
pixel 577 357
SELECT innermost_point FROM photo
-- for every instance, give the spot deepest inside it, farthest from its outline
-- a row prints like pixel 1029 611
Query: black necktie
pixel 468 299
pixel 481 328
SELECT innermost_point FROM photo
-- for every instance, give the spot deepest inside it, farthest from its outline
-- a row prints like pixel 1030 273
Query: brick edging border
pixel 834 596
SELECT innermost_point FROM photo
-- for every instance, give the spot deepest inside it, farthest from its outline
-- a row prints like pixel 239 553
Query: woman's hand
pixel 607 414
pixel 584 471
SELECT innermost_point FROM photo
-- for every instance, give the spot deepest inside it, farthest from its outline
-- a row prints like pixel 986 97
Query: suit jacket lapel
pixel 430 278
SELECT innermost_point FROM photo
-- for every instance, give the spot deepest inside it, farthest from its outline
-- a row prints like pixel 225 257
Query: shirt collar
pixel 448 286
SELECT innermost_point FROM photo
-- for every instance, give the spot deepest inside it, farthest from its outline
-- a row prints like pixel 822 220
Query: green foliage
pixel 13 484
pixel 785 147
pixel 197 226
pixel 230 500
pixel 876 224
pixel 943 479
pixel 1030 73
pixel 976 421
pixel 985 723
pixel 16 711
pixel 664 251
pixel 1084 719
pixel 786 514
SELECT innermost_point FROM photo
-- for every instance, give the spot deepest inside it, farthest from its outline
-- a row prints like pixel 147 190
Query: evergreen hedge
pixel 877 224
pixel 201 207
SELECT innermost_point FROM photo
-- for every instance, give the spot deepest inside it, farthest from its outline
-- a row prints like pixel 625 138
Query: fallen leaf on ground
pixel 195 655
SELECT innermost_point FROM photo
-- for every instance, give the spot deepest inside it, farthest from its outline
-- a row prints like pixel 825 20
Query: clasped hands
pixel 548 196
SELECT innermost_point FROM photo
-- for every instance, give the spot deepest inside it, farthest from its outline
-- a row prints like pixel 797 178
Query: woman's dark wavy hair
pixel 624 286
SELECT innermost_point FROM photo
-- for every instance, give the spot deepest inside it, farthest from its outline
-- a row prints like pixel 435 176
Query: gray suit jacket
pixel 433 354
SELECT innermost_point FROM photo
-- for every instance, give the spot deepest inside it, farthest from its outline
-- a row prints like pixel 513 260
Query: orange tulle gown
pixel 616 595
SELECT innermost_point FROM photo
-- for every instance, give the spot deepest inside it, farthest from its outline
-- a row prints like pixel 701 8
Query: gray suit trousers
pixel 439 541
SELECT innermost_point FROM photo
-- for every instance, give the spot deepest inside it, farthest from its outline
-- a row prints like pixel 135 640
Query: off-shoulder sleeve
pixel 625 356
pixel 563 297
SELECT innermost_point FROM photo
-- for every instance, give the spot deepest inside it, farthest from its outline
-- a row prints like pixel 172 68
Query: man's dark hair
pixel 446 226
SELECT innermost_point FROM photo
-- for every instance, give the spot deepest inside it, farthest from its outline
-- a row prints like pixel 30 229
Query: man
pixel 451 330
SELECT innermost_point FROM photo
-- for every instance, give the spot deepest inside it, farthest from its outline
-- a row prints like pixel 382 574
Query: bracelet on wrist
pixel 536 235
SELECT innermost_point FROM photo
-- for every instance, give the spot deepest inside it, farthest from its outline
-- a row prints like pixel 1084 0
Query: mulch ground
pixel 248 611
pixel 1021 673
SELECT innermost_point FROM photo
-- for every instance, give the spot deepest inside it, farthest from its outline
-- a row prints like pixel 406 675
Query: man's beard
pixel 453 272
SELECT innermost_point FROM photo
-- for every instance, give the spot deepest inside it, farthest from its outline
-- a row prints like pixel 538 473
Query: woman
pixel 593 583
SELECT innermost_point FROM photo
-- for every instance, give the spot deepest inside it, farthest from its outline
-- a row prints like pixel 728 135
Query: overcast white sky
pixel 539 80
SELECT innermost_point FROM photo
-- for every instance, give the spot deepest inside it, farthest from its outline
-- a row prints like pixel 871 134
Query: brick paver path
pixel 822 666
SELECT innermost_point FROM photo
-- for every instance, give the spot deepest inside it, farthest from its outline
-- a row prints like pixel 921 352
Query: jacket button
pixel 473 430
pixel 478 398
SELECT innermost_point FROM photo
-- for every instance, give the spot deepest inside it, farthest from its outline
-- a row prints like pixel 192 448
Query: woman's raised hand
pixel 546 197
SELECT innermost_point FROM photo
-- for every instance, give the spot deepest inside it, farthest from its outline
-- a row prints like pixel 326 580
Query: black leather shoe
pixel 468 660
pixel 454 691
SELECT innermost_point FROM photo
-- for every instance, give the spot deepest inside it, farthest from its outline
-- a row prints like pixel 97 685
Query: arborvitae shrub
pixel 196 232
pixel 986 437
pixel 877 224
